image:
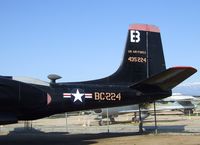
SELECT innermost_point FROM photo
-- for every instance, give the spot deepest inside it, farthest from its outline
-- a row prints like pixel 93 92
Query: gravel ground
pixel 173 129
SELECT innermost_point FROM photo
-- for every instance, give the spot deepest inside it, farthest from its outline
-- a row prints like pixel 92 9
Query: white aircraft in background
pixel 178 101
pixel 185 103
pixel 180 97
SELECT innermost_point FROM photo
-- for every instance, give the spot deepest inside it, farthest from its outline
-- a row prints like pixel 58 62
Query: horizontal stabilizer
pixel 166 80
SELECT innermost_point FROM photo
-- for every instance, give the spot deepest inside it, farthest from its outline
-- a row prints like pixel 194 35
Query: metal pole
pixel 189 114
pixel 156 127
pixel 66 122
pixel 107 121
pixel 140 120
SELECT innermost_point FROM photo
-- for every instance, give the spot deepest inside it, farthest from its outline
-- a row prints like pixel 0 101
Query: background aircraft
pixel 142 77
pixel 174 102
pixel 188 102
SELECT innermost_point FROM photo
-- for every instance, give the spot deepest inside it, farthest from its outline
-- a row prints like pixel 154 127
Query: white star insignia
pixel 77 96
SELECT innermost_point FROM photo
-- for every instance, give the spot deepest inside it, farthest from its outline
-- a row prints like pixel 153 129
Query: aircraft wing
pixel 180 98
pixel 160 108
pixel 177 107
pixel 15 90
pixel 166 80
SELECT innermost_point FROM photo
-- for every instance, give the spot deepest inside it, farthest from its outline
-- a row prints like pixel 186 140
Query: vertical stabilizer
pixel 143 56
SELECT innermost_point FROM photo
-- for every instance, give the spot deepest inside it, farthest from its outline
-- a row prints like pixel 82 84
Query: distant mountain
pixel 192 89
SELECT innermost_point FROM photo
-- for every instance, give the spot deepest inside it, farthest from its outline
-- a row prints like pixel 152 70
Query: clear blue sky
pixel 83 40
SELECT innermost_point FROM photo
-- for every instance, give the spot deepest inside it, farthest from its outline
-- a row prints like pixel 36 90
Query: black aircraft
pixel 141 77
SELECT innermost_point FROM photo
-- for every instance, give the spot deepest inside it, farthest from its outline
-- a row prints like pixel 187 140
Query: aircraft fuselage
pixel 67 98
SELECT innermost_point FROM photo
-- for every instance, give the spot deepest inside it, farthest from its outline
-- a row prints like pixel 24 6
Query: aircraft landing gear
pixel 134 118
pixel 28 125
pixel 188 111
pixel 101 122
pixel 111 120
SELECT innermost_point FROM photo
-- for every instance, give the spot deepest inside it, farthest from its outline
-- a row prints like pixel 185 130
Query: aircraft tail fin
pixel 165 80
pixel 143 59
pixel 143 56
